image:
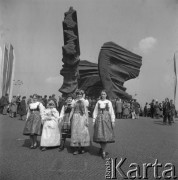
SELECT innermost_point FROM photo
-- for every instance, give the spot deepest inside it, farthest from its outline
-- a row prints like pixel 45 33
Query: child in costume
pixel 66 125
pixel 51 133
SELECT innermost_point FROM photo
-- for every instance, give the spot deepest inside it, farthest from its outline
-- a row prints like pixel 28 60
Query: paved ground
pixel 140 141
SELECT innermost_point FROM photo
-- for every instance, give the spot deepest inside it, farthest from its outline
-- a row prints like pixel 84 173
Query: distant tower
pixel 71 53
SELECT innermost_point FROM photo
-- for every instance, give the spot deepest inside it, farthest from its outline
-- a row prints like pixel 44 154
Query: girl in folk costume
pixel 33 126
pixel 50 119
pixel 66 125
pixel 80 137
pixel 103 121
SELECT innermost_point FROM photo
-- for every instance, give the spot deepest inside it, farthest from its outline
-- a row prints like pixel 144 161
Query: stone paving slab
pixel 140 141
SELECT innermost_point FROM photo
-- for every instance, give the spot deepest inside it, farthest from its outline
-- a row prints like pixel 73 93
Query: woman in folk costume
pixel 80 137
pixel 66 125
pixel 33 126
pixel 50 119
pixel 103 121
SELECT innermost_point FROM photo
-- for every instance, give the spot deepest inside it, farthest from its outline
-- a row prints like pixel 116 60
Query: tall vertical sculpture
pixel 71 53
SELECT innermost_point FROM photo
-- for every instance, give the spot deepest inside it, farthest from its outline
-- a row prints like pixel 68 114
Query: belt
pixel 34 111
pixel 102 111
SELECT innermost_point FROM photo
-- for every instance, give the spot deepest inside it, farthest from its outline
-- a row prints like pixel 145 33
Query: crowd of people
pixel 68 117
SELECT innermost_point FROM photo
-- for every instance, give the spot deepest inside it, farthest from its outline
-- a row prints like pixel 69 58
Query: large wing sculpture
pixel 89 79
pixel 117 65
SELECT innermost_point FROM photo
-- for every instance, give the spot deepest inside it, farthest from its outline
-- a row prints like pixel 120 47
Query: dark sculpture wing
pixel 117 65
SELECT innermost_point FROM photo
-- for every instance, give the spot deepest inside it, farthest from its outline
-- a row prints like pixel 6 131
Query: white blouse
pixel 34 106
pixel 103 105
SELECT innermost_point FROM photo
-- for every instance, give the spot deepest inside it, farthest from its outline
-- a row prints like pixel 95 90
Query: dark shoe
pixel 103 155
pixel 43 149
pixel 82 151
pixel 35 146
pixel 31 147
pixel 100 151
pixel 61 148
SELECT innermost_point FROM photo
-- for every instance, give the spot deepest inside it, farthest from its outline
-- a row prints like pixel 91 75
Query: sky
pixel 146 27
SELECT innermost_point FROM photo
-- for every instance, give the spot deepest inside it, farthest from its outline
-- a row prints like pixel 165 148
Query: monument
pixel 71 53
pixel 115 65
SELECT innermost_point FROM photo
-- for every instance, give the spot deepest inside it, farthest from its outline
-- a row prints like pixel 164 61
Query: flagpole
pixel 12 78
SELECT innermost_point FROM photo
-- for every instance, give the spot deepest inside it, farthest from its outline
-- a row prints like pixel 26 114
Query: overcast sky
pixel 146 27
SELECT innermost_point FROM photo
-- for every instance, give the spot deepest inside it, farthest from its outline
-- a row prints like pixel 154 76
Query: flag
pixel 11 70
pixel 5 69
pixel 1 70
pixel 176 80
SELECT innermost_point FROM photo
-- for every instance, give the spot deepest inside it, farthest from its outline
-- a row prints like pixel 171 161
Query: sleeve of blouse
pixel 86 103
pixel 56 115
pixel 95 112
pixel 28 112
pixel 62 113
pixel 86 109
pixel 42 109
pixel 111 111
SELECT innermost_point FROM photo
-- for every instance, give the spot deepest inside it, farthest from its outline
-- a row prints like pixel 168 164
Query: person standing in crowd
pixel 54 98
pixel 126 109
pixel 173 110
pixel 157 109
pixel 33 126
pixel 137 109
pixel 66 124
pixel 86 101
pixel 61 103
pixel 152 109
pixel 23 109
pixel 80 137
pixel 40 99
pixel 118 108
pixel 93 103
pixel 45 101
pixel 50 119
pixel 146 110
pixel 104 122
pixel 18 100
pixel 161 108
pixel 166 112
pixel 133 109
pixel 13 108
pixel 30 99
pixel 4 102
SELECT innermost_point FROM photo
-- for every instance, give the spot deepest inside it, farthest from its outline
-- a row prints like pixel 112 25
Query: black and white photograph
pixel 88 89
